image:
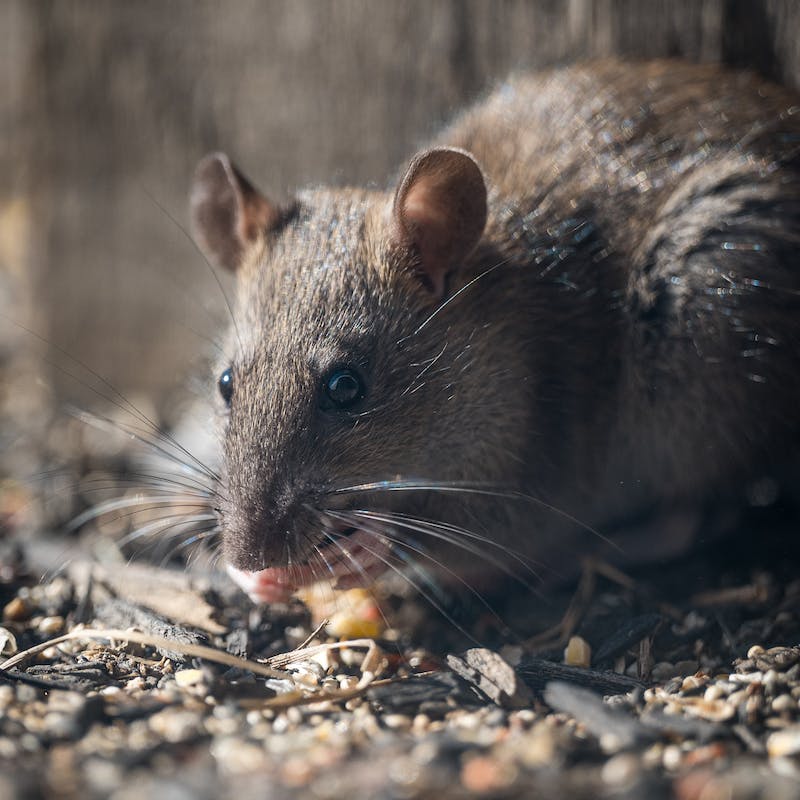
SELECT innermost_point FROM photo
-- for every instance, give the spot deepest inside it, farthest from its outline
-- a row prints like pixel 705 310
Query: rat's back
pixel 683 185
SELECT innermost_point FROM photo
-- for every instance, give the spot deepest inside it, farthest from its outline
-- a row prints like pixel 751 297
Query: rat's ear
pixel 439 212
pixel 228 213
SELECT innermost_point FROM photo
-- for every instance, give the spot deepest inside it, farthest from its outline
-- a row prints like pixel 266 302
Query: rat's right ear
pixel 228 212
pixel 439 213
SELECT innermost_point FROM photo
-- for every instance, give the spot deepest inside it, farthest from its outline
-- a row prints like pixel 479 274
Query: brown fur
pixel 637 345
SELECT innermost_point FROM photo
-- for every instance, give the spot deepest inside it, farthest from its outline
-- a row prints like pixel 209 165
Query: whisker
pixel 441 530
pixel 456 295
pixel 470 488
pixel 164 524
pixel 193 539
pixel 416 586
pixel 139 503
pixel 210 266
pixel 440 565
pixel 149 481
pixel 361 514
pixel 125 404
pixel 137 434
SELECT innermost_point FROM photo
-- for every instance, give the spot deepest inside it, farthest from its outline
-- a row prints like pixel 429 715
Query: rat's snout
pixel 261 527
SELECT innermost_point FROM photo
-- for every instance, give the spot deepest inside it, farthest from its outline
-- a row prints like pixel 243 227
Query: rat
pixel 576 310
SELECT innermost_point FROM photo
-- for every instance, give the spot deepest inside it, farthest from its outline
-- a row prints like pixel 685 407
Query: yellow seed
pixel 578 652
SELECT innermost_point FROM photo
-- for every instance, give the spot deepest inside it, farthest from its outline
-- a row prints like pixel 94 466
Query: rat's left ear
pixel 439 213
pixel 229 214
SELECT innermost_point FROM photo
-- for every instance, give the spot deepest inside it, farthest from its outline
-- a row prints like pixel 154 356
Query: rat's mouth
pixel 355 558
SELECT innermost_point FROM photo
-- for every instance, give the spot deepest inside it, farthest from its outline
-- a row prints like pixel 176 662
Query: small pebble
pixel 737 698
pixel 51 625
pixel 540 747
pixel 784 743
pixel 671 757
pixel 663 671
pixel 17 610
pixel 296 772
pixel 485 775
pixel 621 770
pixel 189 677
pixel 714 692
pixel 176 725
pixel 8 643
pixel 236 757
pixel 692 682
pixel 784 702
pixel 397 722
pixel 747 677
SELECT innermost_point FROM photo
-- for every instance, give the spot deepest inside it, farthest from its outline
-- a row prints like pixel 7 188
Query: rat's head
pixel 346 365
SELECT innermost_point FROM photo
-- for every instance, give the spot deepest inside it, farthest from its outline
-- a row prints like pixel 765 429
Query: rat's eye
pixel 343 388
pixel 225 385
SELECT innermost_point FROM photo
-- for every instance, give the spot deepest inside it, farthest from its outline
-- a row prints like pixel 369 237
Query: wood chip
pixel 493 676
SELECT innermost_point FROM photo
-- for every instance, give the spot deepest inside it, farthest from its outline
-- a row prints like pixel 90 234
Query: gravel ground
pixel 678 682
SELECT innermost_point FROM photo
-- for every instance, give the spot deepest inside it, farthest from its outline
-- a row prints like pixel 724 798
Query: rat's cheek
pixel 264 586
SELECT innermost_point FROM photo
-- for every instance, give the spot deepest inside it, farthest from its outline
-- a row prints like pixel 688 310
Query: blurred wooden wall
pixel 106 107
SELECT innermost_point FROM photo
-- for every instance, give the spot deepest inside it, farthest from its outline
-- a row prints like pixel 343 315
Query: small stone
pixel 6 696
pixel 578 652
pixel 770 681
pixel 135 684
pixel 784 702
pixel 621 770
pixel 713 710
pixel 747 677
pixel 653 757
pixel 540 747
pixel 306 677
pixel 8 749
pixel 8 643
pixel 188 677
pixel 671 757
pixel 176 725
pixel 737 698
pixel 397 722
pixel 663 671
pixel 296 772
pixel 103 776
pixel 784 743
pixel 714 692
pixel 280 685
pixel 280 724
pixel 691 682
pixel 17 610
pixel 237 757
pixel 61 726
pixel 51 625
pixel 485 775
pixel 420 723
pixel 755 650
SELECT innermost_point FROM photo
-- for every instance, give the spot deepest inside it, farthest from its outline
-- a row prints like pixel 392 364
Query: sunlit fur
pixel 624 340
pixel 627 337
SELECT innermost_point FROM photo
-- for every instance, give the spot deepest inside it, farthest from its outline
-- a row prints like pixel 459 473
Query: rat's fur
pixel 624 337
